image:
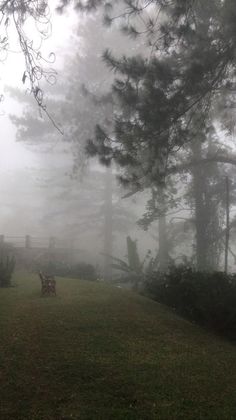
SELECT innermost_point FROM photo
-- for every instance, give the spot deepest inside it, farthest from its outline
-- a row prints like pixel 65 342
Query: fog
pixel 118 209
pixel 41 193
pixel 47 179
pixel 21 164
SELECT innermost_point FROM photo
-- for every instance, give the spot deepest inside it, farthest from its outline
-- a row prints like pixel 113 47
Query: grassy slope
pixel 97 352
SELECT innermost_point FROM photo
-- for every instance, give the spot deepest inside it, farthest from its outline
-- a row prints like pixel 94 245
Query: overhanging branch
pixel 184 167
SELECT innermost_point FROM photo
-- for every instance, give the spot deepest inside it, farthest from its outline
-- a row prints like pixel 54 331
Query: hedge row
pixel 208 299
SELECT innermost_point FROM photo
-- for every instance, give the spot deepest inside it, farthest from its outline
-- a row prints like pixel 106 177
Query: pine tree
pixel 190 66
pixel 187 65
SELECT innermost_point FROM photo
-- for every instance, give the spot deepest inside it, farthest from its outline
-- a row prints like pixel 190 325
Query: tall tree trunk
pixel 108 242
pixel 199 191
pixel 163 244
pixel 206 213
pixel 227 224
pixel 162 236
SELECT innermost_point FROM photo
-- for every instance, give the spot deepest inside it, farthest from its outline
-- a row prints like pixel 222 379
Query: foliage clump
pixel 82 270
pixel 134 269
pixel 7 266
pixel 208 299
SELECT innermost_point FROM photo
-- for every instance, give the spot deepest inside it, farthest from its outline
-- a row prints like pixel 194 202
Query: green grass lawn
pixel 98 352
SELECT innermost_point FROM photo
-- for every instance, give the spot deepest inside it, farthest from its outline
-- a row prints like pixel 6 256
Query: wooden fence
pixel 27 249
pixel 29 242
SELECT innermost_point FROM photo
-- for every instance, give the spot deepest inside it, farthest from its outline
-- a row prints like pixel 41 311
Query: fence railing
pixel 29 242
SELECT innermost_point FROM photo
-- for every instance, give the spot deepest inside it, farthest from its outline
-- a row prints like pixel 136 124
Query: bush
pixel 206 298
pixel 81 271
pixel 7 266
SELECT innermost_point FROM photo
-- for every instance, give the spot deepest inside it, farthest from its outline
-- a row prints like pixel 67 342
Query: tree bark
pixel 108 241
pixel 201 161
pixel 227 225
pixel 199 189
pixel 163 244
pixel 163 235
pixel 207 216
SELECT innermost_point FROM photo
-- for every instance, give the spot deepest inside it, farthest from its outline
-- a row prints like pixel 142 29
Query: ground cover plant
pixel 99 352
pixel 7 267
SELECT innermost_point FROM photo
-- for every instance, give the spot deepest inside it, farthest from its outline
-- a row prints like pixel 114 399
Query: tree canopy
pixel 165 109
pixel 171 92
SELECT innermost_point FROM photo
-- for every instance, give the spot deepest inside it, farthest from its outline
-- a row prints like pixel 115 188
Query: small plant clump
pixel 7 267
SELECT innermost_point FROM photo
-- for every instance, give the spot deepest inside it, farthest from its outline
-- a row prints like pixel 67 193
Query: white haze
pixel 18 162
pixel 27 172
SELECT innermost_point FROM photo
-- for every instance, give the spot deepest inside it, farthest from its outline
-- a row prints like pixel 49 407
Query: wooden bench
pixel 48 284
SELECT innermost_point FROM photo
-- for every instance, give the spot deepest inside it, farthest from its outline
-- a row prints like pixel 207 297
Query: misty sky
pixel 19 162
pixel 27 171
pixel 14 155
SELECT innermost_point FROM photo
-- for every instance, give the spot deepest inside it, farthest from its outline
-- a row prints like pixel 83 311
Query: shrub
pixel 81 270
pixel 206 298
pixel 134 270
pixel 7 266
